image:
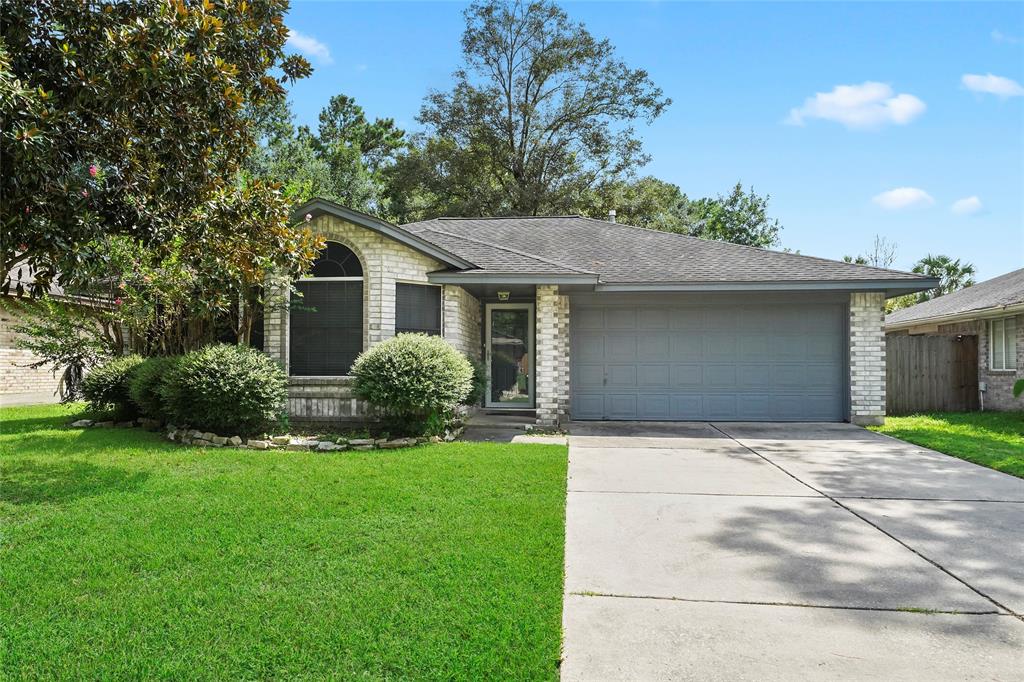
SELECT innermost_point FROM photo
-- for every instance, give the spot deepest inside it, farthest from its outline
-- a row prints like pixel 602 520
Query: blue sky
pixel 926 147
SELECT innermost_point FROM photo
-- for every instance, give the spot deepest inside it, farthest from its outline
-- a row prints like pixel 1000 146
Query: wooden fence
pixel 931 374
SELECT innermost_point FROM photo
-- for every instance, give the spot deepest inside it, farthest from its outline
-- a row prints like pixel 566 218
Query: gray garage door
pixel 702 362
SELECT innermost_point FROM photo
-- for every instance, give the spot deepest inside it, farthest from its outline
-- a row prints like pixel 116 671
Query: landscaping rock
pixel 360 441
pixel 259 444
pixel 219 440
pixel 104 425
pixel 208 436
pixel 435 439
pixel 328 446
pixel 380 441
pixel 125 425
pixel 281 440
pixel 201 442
pixel 362 447
pixel 300 444
pixel 235 440
pixel 81 424
pixel 172 435
pixel 398 443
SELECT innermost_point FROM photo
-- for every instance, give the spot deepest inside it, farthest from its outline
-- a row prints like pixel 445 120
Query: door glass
pixel 510 356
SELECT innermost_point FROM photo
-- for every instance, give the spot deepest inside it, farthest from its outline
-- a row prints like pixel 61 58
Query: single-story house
pixel 576 318
pixel 993 311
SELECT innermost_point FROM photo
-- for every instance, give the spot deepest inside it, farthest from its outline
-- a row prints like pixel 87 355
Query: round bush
pixel 230 390
pixel 144 386
pixel 413 375
pixel 106 386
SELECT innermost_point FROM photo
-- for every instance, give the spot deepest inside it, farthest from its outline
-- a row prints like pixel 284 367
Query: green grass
pixel 992 439
pixel 124 556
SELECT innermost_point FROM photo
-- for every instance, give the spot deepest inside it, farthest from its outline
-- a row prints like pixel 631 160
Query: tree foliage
pixel 127 118
pixel 741 217
pixel 540 112
pixel 952 274
pixel 882 255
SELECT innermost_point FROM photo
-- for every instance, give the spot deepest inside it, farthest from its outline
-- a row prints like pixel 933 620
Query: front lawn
pixel 992 439
pixel 124 556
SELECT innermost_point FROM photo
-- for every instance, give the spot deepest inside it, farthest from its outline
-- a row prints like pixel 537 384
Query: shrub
pixel 412 378
pixel 144 386
pixel 106 386
pixel 476 393
pixel 225 389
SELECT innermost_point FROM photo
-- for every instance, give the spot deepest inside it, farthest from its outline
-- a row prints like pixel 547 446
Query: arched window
pixel 326 325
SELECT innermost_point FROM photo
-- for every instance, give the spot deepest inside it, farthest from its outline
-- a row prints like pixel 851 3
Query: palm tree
pixel 952 275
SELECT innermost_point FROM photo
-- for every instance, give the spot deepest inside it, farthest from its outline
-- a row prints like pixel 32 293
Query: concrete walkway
pixel 787 551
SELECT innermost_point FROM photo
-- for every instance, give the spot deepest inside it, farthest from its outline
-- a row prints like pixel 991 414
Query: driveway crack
pixel 837 501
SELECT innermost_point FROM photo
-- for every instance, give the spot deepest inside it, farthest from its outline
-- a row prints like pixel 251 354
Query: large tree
pixel 540 113
pixel 952 274
pixel 128 118
pixel 741 217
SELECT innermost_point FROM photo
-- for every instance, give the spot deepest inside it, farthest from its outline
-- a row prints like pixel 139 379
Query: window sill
pixel 1002 371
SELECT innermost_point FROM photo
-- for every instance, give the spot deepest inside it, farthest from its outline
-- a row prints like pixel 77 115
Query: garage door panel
pixel 691 362
pixel 687 375
pixel 653 346
pixel 588 318
pixel 653 376
pixel 621 376
pixel 687 347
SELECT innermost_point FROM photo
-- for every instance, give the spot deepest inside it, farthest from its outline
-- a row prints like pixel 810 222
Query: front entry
pixel 510 376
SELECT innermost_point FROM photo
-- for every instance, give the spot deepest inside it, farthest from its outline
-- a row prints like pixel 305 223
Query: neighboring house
pixel 21 384
pixel 586 319
pixel 994 312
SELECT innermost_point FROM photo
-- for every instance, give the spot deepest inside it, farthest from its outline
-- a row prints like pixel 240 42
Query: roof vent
pixel 611 215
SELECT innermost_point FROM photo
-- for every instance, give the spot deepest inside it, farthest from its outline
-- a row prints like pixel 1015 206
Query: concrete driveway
pixel 783 551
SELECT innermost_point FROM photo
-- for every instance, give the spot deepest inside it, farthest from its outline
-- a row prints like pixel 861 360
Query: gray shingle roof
pixel 998 292
pixel 624 254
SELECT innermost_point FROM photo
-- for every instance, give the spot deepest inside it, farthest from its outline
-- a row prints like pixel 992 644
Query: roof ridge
pixel 505 217
pixel 756 248
pixel 515 251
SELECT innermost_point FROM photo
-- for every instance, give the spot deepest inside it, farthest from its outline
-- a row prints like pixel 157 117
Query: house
pixel 993 311
pixel 576 318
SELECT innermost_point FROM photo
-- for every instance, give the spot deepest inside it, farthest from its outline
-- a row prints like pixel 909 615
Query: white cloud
pixel 903 197
pixel 309 46
pixel 993 85
pixel 1000 37
pixel 967 206
pixel 865 106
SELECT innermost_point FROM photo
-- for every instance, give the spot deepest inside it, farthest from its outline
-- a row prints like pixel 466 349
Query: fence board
pixel 931 374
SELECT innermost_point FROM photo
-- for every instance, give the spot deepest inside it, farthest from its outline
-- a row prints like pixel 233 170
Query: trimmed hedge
pixel 106 386
pixel 144 386
pixel 413 377
pixel 226 389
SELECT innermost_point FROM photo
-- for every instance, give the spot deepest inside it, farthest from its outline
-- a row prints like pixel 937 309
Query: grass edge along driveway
pixel 991 439
pixel 123 555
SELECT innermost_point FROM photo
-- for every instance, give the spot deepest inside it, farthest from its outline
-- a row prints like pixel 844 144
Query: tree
pixel 540 112
pixel 952 275
pixel 740 218
pixel 646 202
pixel 883 254
pixel 126 118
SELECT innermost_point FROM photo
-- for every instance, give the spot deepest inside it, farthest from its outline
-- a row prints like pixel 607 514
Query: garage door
pixel 704 362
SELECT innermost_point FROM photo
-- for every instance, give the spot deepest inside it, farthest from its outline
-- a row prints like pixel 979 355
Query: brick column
pixel 867 358
pixel 275 320
pixel 552 371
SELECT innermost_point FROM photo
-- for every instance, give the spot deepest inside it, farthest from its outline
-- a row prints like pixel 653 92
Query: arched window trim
pixel 310 277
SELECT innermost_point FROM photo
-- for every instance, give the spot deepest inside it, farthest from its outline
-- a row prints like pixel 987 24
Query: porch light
pixel 502 295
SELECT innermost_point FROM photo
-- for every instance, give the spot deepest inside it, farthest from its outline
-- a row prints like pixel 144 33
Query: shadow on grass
pixel 29 482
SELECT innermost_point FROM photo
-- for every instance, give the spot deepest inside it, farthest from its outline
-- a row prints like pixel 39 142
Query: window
pixel 1002 344
pixel 326 322
pixel 418 309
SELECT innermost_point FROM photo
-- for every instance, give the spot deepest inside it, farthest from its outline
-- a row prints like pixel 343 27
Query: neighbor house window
pixel 1002 344
pixel 418 309
pixel 326 321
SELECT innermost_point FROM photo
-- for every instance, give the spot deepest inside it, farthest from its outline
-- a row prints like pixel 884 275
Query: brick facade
pixel 867 358
pixel 552 380
pixel 19 383
pixel 385 262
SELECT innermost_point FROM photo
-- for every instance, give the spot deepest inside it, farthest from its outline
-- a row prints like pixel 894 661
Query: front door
pixel 510 355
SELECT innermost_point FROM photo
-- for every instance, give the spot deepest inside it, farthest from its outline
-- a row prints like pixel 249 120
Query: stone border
pixel 197 438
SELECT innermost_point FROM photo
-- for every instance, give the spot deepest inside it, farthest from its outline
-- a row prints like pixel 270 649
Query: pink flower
pixel 85 192
pixel 309 216
pixel 118 301
pixel 28 209
pixel 93 170
pixel 121 285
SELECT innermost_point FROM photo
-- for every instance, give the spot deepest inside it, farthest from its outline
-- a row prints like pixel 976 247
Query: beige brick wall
pixel 385 263
pixel 867 358
pixel 999 395
pixel 19 382
pixel 552 380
